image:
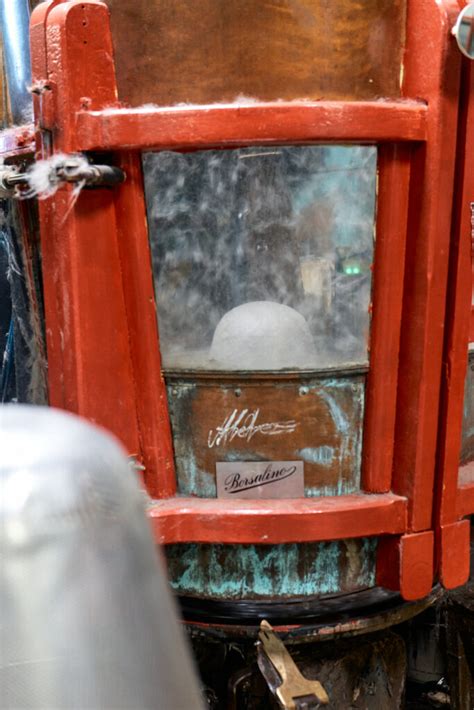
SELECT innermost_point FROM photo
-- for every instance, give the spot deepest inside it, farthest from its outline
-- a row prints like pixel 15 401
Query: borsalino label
pixel 260 479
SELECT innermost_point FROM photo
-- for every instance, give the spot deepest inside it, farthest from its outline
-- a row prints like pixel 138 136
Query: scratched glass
pixel 262 256
pixel 466 471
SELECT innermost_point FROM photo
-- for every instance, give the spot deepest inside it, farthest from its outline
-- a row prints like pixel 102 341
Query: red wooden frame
pixel 103 349
pixel 437 80
pixel 229 125
pixel 280 521
pixel 455 499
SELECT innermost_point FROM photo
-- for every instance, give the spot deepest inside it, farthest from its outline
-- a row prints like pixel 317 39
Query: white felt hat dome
pixel 262 335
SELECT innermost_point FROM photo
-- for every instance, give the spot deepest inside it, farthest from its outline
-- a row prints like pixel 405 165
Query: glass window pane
pixel 213 51
pixel 467 442
pixel 262 256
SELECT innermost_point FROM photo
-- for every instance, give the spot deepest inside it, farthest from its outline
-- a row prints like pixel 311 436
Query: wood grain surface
pixel 215 50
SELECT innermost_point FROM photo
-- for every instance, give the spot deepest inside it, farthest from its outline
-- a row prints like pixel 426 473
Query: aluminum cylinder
pixel 14 24
pixel 87 618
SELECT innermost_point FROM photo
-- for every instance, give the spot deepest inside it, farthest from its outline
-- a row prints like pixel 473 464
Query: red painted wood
pixel 276 521
pixel 458 311
pixel 432 66
pixel 17 141
pixel 276 122
pixel 389 259
pixel 89 364
pixel 405 564
pixel 80 90
pixel 150 390
pixel 454 558
pixel 39 65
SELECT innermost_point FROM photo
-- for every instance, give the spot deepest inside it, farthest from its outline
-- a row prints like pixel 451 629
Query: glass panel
pixel 262 256
pixel 467 442
pixel 207 51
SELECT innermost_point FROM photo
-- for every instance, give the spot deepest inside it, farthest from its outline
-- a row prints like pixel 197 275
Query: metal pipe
pixel 14 25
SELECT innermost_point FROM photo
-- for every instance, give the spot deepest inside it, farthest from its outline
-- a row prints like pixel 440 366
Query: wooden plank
pixel 214 51
pixel 89 364
pixel 389 260
pixel 276 521
pixel 264 123
pixel 432 71
pixel 139 294
pixel 457 318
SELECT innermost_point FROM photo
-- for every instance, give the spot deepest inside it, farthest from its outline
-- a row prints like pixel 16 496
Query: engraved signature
pixel 243 424
pixel 235 482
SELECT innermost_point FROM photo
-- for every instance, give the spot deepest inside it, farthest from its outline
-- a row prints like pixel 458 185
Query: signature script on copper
pixel 244 424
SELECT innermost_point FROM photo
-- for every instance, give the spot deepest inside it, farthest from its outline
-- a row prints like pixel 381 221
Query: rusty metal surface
pixel 168 52
pixel 364 674
pixel 342 617
pixel 317 421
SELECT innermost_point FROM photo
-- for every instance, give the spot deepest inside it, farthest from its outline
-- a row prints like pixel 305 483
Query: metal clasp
pixel 57 170
pixel 294 691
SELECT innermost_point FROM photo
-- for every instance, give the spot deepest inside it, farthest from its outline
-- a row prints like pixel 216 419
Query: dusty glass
pixel 262 256
pixel 466 471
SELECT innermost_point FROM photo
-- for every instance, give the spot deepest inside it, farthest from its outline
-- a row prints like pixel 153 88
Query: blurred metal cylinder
pixel 87 620
pixel 14 24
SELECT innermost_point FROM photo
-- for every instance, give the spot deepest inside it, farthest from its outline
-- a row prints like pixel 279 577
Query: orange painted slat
pixel 228 124
pixel 276 521
pixel 389 267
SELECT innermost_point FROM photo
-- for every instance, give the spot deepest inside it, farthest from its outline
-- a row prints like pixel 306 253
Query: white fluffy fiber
pixel 43 180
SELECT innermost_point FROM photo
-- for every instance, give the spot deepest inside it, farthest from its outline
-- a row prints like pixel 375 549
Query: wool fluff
pixel 43 178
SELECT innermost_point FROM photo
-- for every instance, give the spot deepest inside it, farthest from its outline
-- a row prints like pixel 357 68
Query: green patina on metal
pixel 344 397
pixel 196 481
pixel 350 431
pixel 272 571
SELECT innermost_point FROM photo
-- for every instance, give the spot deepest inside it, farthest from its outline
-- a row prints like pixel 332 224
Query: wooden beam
pixel 188 127
pixel 268 522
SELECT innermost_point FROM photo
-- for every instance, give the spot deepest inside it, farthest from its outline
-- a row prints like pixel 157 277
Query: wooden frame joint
pixel 405 564
pixel 454 553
